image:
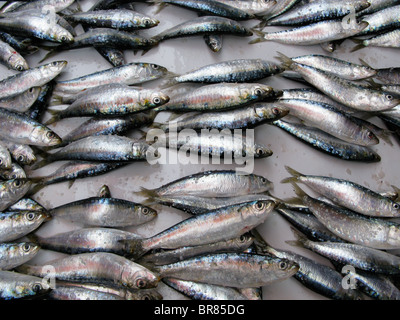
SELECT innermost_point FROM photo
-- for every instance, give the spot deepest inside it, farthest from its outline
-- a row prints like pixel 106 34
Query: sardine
pixel 97 267
pixel 239 270
pixel 85 240
pixel 390 39
pixel 34 77
pixel 11 58
pixel 111 100
pixel 377 286
pixel 222 224
pixel 348 194
pixel 120 19
pixel 238 244
pixel 383 19
pixel 219 96
pixel 239 70
pixel 204 291
pixel 104 212
pixel 219 183
pixel 360 257
pixel 344 91
pixel 22 129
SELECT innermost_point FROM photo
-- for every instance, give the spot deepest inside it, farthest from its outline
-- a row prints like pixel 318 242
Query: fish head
pixel 145 22
pixel 284 268
pixel 260 184
pixel 243 242
pixel 34 217
pixel 267 111
pixel 28 249
pixel 142 279
pixel 389 100
pixel 261 151
pixel 144 294
pixel 62 35
pixel 34 287
pixel 156 69
pixel 368 137
pixel 260 92
pixel 43 136
pixel 18 62
pixel 54 67
pixel 146 213
pixel 18 187
pixel 24 156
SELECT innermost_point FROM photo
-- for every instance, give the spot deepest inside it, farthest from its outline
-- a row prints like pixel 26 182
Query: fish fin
pixel 365 64
pixel 301 239
pixel 359 45
pixel 40 164
pixel 373 84
pixel 133 248
pixel 286 61
pixel 55 116
pixel 148 193
pixel 51 52
pixel 104 192
pixel 295 175
pixel 260 35
pixel 299 192
pixel 36 188
pixel 169 80
pixel 397 190
pixel 71 183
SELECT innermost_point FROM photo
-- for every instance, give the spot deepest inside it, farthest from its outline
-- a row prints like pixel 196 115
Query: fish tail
pixel 360 45
pixel 299 192
pixel 52 52
pixel 301 240
pixel 40 164
pixel 286 61
pixel 150 194
pixel 133 248
pixel 55 116
pixel 295 175
pixel 261 36
pixel 170 80
pixel 37 187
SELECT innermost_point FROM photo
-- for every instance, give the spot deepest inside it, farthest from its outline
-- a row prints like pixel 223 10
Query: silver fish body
pixel 97 267
pixel 105 212
pixel 21 102
pixel 34 77
pixel 204 291
pixel 349 194
pixel 62 292
pixel 223 183
pixel 222 224
pixel 22 129
pixel 223 269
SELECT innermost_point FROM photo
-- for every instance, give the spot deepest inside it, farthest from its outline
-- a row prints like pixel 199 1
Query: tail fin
pixel 133 248
pixel 360 45
pixel 170 80
pixel 261 36
pixel 150 194
pixel 56 116
pixel 286 61
pixel 301 239
pixel 37 187
pixel 295 175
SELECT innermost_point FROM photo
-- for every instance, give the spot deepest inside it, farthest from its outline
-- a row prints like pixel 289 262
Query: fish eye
pixel 258 91
pixel 30 216
pixel 283 265
pixel 156 100
pixel 26 247
pixel 140 283
pixel 276 111
pixel 50 135
pixel 146 297
pixel 370 135
pixel 389 97
pixel 21 158
pixel 146 22
pixel 37 287
pixel 263 180
pixel 63 38
pixel 154 66
pixel 17 183
pixel 259 205
pixel 145 211
pixel 260 152
pixel 19 67
pixel 396 206
pixel 54 64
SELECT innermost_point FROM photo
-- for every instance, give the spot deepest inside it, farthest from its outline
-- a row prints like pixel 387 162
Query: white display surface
pixel 185 54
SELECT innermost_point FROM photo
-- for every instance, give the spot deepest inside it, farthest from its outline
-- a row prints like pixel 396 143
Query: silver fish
pixel 11 58
pixel 223 269
pixel 204 291
pixel 222 224
pixel 85 240
pixel 97 267
pixel 218 183
pixel 390 39
pixel 348 194
pixel 34 77
pixel 344 91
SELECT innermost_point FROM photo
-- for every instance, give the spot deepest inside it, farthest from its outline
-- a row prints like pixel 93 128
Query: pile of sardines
pixel 216 253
